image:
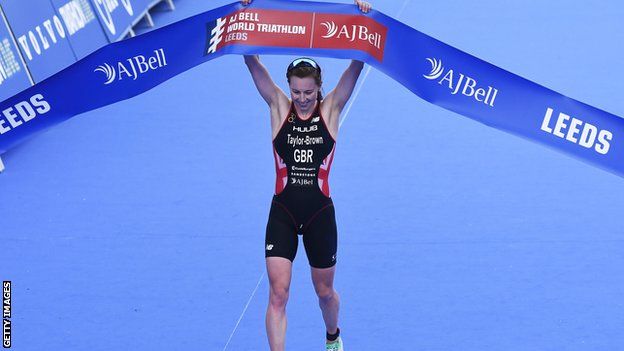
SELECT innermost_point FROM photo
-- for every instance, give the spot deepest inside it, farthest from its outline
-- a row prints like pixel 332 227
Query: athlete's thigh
pixel 279 270
pixel 321 239
pixel 281 234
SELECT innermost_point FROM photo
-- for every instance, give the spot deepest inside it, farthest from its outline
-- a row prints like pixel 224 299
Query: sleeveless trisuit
pixel 303 151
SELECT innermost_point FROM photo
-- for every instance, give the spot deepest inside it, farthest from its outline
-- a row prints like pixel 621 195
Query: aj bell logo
pixel 463 83
pixel 133 67
pixel 351 33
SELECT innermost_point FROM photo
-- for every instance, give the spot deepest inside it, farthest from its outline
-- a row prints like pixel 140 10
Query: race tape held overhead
pixel 431 69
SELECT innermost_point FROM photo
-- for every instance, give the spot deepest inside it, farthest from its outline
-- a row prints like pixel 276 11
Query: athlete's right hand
pixel 246 2
pixel 364 5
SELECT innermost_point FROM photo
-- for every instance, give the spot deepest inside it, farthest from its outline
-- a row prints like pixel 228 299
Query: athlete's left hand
pixel 363 5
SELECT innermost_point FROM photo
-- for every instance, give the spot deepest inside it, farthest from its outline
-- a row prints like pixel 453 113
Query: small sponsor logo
pixel 302 182
pixel 316 119
pixel 269 247
pixel 460 83
pixel 133 67
pixel 305 129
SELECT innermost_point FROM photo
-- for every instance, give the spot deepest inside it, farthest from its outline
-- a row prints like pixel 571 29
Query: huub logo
pixel 133 67
pixel 460 83
pixel 307 129
pixel 351 33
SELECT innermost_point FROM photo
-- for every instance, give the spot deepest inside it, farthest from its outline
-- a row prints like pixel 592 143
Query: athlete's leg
pixel 279 270
pixel 321 243
pixel 329 301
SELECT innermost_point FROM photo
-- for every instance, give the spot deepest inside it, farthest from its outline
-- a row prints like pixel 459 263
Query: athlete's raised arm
pixel 270 92
pixel 338 97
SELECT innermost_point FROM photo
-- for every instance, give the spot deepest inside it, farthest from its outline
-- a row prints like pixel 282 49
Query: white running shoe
pixel 334 345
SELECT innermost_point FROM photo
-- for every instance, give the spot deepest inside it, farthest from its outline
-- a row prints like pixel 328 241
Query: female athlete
pixel 304 130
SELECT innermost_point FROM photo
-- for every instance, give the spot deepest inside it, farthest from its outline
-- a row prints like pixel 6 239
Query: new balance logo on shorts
pixel 269 247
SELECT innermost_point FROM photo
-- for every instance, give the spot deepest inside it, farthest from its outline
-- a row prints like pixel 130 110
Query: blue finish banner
pixel 117 16
pixel 13 76
pixel 82 27
pixel 431 69
pixel 40 35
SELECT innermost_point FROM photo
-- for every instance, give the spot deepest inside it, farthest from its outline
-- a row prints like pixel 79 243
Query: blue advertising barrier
pixel 118 16
pixel 145 6
pixel 83 29
pixel 431 69
pixel 13 74
pixel 40 35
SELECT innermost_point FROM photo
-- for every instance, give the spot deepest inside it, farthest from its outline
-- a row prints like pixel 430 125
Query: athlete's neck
pixel 307 113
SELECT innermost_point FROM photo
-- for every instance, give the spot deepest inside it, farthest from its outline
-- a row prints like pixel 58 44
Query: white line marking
pixel 244 310
pixel 368 69
pixel 402 8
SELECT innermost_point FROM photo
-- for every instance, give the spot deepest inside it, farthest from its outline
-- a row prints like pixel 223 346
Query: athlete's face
pixel 303 92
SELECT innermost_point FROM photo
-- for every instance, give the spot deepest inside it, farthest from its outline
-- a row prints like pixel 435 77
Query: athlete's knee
pixel 278 297
pixel 325 293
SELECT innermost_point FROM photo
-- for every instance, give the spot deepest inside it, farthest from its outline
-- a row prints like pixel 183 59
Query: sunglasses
pixel 303 62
